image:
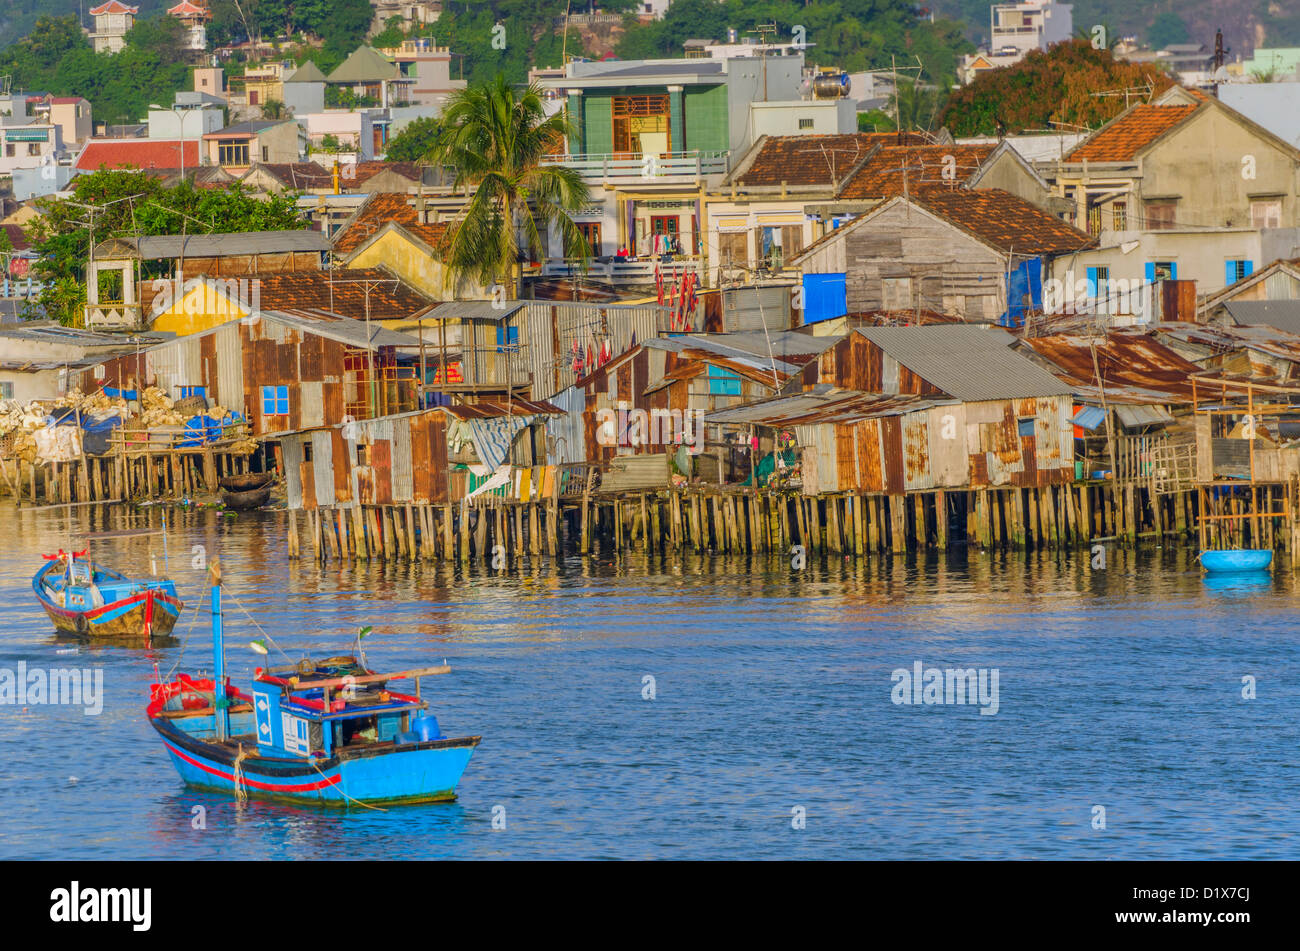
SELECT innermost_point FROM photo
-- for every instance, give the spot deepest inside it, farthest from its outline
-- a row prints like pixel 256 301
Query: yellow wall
pixel 200 308
pixel 416 267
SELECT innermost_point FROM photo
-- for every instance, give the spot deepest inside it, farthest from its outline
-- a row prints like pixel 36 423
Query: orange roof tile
pixel 383 208
pixel 882 175
pixel 1129 133
pixel 1003 220
pixel 808 160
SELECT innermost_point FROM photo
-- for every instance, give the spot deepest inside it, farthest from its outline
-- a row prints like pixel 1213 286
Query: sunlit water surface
pixel 1119 687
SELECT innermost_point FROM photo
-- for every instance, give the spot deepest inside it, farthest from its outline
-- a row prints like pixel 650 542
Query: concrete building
pixel 428 67
pixel 1014 30
pixel 73 116
pixel 237 147
pixel 303 91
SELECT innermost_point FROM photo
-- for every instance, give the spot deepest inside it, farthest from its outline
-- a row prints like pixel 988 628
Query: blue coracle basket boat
pixel 1237 559
pixel 326 732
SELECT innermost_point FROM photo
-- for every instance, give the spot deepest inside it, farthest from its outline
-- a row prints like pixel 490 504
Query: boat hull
pixel 414 773
pixel 148 614
pixel 1237 559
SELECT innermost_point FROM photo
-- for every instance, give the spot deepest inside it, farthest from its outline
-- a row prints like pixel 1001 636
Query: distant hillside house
pixel 194 18
pixel 112 20
pixel 237 147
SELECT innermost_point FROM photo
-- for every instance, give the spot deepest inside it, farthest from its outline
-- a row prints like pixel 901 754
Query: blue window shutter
pixel 1229 272
pixel 1248 267
pixel 1173 270
pixel 1092 282
pixel 1151 272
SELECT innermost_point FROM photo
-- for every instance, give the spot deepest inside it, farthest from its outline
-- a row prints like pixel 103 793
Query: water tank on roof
pixel 831 85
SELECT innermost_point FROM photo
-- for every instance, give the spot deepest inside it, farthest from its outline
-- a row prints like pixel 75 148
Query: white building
pixel 1017 28
pixel 194 18
pixel 112 20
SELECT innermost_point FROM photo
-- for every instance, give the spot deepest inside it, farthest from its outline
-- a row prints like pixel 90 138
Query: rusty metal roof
pixel 1222 339
pixel 1133 367
pixel 822 404
pixel 967 362
pixel 491 409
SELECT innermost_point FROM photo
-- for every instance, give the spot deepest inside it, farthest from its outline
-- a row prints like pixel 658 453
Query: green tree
pixel 163 36
pixel 1168 28
pixel 495 140
pixel 416 141
pixel 129 202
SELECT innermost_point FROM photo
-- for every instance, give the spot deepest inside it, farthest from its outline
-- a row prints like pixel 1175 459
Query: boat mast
pixel 220 703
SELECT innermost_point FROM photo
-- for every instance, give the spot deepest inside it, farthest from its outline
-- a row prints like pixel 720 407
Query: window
pixel 733 249
pixel 252 97
pixel 1119 216
pixel 1161 271
pixel 1266 213
pixel 10 150
pixel 664 224
pixel 6 391
pixel 590 231
pixel 1236 270
pixel 275 401
pixel 723 382
pixel 507 337
pixel 306 451
pixel 1025 427
pixel 805 123
pixel 640 125
pixel 33 148
pixel 266 153
pixel 232 153
pixel 1160 215
pixel 1098 281
pixel 896 293
pixel 1094 220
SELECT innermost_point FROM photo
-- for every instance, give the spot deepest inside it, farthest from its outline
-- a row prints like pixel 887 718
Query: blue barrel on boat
pixel 402 739
pixel 426 728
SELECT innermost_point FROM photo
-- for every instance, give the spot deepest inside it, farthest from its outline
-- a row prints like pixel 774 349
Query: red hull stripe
pixel 273 787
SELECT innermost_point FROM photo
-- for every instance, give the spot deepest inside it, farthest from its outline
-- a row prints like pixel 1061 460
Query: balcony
pixel 625 167
pixel 114 315
pixel 622 271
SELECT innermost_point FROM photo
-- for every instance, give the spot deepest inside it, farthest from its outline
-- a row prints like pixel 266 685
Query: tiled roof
pixel 138 153
pixel 112 7
pixel 1003 220
pixel 808 160
pixel 882 176
pixel 341 292
pixel 380 210
pixel 17 237
pixel 297 175
pixel 1129 133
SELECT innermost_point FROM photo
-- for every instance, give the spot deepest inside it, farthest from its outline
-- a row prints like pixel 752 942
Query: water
pixel 1119 688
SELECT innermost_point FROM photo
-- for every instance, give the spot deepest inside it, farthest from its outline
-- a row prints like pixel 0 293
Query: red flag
pixel 659 283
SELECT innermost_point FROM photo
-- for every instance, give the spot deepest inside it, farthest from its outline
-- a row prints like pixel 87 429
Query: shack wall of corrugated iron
pixel 750 308
pixel 291 452
pixel 403 489
pixel 322 460
pixel 566 437
pixel 917 473
pixel 948 460
pixel 313 405
pixel 230 367
pixel 820 467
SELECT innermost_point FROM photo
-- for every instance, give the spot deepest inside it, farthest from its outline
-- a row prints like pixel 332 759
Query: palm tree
pixel 273 109
pixel 494 140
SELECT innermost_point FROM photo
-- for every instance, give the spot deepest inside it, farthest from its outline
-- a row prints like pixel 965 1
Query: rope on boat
pixel 342 790
pixel 269 639
pixel 241 794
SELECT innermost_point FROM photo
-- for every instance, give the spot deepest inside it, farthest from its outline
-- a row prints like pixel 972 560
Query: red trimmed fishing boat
pixel 90 600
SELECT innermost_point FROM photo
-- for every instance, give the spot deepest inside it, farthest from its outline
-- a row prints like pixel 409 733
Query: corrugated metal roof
pixel 1133 367
pixel 1281 315
pixel 158 247
pixel 475 310
pixel 821 404
pixel 340 328
pixel 1134 417
pixel 966 362
pixel 1090 417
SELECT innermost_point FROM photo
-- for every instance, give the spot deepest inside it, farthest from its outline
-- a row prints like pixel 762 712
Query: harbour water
pixel 699 707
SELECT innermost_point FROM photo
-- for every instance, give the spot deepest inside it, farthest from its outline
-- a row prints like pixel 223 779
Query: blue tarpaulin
pixel 1090 417
pixel 206 429
pixel 1024 292
pixel 113 392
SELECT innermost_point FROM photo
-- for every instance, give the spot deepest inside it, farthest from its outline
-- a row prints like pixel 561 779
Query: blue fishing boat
pixel 328 732
pixel 1237 559
pixel 90 600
